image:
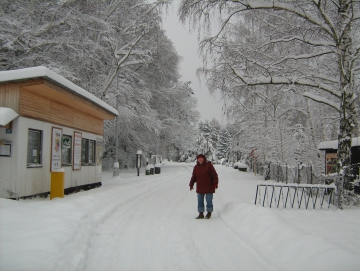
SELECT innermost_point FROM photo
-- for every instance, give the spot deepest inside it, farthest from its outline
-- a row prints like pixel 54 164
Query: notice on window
pixel 56 148
pixel 331 163
pixel 66 143
pixel 77 151
pixel 99 151
pixel 5 148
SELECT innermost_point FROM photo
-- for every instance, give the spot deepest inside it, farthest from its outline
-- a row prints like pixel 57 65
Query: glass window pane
pixel 84 151
pixel 66 150
pixel 92 152
pixel 34 147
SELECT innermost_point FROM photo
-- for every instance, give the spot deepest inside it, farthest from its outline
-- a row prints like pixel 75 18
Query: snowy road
pixel 156 230
pixel 148 223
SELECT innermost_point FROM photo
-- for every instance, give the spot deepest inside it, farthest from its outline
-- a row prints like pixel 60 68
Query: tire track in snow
pixel 125 209
pixel 101 217
pixel 158 232
pixel 224 206
pixel 264 260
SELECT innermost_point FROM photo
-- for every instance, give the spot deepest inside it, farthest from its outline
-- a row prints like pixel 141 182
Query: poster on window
pixel 331 163
pixel 56 148
pixel 99 150
pixel 66 142
pixel 77 151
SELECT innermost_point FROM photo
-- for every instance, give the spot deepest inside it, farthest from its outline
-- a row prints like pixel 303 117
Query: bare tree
pixel 110 48
pixel 310 45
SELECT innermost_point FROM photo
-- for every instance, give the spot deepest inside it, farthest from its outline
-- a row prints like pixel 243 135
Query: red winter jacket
pixel 205 177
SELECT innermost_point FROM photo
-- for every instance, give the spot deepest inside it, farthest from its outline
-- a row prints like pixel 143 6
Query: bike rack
pixel 292 191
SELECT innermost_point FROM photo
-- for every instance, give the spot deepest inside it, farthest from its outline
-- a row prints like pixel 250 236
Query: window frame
pixel 85 163
pixel 93 154
pixel 87 151
pixel 39 163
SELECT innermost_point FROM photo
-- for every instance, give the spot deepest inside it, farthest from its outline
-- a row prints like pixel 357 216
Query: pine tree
pixel 223 145
pixel 208 138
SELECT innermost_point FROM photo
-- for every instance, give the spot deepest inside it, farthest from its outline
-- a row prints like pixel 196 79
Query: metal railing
pixel 294 195
pixel 302 174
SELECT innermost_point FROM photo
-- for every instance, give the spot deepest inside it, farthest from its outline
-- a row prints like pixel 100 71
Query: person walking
pixel 206 179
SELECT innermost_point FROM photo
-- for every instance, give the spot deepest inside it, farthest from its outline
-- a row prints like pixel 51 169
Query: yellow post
pixel 57 185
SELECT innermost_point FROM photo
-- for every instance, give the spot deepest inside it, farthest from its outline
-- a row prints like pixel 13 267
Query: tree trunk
pixel 348 118
pixel 312 135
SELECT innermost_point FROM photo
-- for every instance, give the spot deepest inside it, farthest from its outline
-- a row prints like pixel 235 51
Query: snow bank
pixel 44 72
pixel 332 185
pixel 47 240
pixel 289 239
pixel 240 165
pixel 285 245
pixel 59 234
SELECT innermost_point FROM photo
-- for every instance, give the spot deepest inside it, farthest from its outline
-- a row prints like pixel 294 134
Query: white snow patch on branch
pixel 322 100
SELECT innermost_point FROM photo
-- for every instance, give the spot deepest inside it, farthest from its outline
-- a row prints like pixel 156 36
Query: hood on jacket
pixel 203 156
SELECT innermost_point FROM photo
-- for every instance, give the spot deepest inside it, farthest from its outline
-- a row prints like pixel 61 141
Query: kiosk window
pixel 91 152
pixel 88 152
pixel 66 150
pixel 84 151
pixel 34 148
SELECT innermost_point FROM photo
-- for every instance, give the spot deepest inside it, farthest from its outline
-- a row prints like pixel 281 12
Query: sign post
pixel 138 161
pixel 56 148
pixel 57 173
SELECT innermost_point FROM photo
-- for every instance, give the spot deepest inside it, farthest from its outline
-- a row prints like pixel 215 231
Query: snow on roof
pixel 7 115
pixel 333 144
pixel 44 72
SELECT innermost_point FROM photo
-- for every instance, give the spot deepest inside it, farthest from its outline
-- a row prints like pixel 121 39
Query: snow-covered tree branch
pixel 309 47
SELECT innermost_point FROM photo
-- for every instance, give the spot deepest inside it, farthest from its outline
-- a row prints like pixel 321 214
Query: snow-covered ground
pixel 148 223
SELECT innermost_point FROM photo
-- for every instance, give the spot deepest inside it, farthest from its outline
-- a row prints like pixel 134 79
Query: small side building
pixel 48 123
pixel 331 147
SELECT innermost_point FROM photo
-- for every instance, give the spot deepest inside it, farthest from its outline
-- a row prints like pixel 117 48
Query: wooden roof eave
pixel 44 88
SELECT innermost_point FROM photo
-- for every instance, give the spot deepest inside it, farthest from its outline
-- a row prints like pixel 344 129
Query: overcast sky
pixel 186 44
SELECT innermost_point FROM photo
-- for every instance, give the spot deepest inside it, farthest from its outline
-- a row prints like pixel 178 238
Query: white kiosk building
pixel 48 123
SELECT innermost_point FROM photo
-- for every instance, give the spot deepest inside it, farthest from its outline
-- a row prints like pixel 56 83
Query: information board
pixel 77 151
pixel 56 148
pixel 5 148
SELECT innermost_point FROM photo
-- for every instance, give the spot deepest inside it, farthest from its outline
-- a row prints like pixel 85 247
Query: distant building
pixel 48 123
pixel 331 147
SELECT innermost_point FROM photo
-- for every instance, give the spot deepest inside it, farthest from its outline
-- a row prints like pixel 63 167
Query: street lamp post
pixel 116 163
pixel 138 161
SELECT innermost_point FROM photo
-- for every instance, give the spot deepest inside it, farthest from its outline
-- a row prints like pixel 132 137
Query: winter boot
pixel 208 215
pixel 201 216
